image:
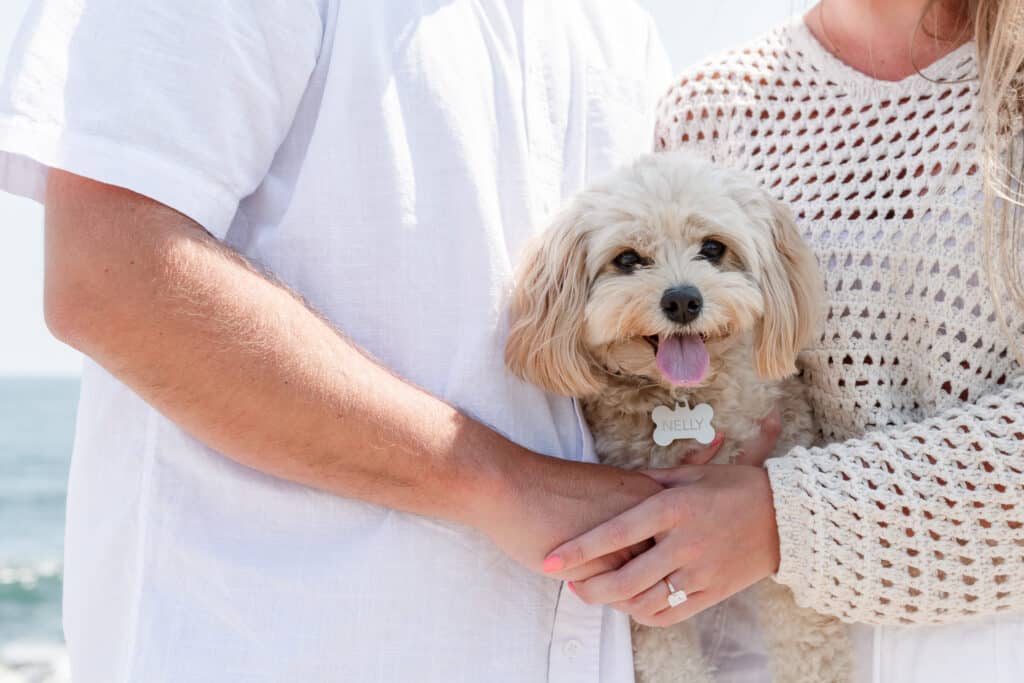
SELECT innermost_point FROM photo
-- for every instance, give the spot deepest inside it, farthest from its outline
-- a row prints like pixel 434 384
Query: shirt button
pixel 571 648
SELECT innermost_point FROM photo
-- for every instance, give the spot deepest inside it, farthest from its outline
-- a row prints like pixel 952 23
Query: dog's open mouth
pixel 652 339
pixel 682 359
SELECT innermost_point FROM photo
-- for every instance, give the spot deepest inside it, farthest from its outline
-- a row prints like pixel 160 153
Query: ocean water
pixel 37 422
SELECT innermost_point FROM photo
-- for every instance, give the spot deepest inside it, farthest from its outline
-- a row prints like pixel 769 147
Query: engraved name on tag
pixel 683 422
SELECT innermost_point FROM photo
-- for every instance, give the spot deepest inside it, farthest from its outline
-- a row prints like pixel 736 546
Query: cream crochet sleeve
pixel 911 508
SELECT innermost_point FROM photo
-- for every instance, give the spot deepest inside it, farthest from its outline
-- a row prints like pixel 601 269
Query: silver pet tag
pixel 683 423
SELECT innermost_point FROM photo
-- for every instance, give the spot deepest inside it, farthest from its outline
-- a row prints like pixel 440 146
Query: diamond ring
pixel 676 597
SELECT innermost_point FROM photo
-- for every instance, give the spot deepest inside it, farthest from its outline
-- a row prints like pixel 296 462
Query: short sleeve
pixel 183 102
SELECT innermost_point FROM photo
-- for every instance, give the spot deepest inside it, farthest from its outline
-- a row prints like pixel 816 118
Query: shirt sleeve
pixel 918 524
pixel 659 73
pixel 184 102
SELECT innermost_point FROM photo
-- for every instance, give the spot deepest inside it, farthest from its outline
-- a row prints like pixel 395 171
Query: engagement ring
pixel 675 597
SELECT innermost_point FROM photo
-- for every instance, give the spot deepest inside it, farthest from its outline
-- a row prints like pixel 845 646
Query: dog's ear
pixel 793 296
pixel 546 314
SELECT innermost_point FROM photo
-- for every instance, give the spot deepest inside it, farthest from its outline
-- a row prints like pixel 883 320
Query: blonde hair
pixel 998 27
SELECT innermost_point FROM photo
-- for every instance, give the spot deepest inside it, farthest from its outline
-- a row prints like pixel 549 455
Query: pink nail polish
pixel 572 588
pixel 552 563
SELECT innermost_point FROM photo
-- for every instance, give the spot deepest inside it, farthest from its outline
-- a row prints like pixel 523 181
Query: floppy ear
pixel 545 342
pixel 793 296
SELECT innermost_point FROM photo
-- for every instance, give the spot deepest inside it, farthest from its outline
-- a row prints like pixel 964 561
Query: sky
pixel 689 29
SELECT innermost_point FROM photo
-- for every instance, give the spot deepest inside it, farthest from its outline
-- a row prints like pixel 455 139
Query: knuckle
pixel 618 587
pixel 682 506
pixel 683 559
pixel 696 549
pixel 666 513
pixel 699 578
pixel 772 425
pixel 617 533
pixel 576 555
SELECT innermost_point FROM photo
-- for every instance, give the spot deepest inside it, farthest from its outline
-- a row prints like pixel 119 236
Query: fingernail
pixel 552 563
pixel 719 438
pixel 572 588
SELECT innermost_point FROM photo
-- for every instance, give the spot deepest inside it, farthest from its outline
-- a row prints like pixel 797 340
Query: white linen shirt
pixel 386 159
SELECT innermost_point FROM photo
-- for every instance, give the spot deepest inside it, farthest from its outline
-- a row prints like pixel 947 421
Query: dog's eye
pixel 712 250
pixel 628 260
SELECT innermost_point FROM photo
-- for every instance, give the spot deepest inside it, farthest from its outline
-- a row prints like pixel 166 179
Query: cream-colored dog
pixel 676 281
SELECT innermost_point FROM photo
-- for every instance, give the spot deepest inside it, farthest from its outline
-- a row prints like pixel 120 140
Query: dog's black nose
pixel 682 304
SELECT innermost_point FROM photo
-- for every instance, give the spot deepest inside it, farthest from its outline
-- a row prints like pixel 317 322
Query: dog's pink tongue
pixel 682 359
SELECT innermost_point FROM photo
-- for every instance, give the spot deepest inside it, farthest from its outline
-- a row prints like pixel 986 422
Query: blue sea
pixel 37 423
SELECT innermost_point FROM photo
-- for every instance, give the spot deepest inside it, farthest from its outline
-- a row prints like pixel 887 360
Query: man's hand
pixel 549 501
pixel 559 506
pixel 242 364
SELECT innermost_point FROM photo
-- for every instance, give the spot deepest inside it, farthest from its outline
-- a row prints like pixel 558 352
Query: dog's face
pixel 657 271
pixel 669 291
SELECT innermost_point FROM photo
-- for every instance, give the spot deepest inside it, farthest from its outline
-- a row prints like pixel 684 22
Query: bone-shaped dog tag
pixel 683 423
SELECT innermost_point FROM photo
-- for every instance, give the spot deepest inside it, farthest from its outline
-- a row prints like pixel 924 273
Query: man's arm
pixel 242 364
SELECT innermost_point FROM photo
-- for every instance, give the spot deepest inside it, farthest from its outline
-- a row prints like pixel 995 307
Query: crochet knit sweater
pixel 911 508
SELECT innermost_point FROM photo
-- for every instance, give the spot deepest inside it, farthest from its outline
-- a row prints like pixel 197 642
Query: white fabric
pixel 910 513
pixel 731 640
pixel 387 159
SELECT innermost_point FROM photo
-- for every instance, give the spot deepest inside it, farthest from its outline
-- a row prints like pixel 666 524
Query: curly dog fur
pixel 589 315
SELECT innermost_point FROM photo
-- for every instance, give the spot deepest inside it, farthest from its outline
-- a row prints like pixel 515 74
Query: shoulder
pixel 635 16
pixel 701 103
pixel 615 27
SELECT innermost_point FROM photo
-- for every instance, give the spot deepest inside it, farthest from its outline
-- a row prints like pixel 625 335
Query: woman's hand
pixel 716 535
pixel 752 452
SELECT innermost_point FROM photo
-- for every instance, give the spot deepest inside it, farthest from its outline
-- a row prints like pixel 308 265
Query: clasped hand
pixel 714 534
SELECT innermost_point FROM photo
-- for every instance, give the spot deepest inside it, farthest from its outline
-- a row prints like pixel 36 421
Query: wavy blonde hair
pixel 998 27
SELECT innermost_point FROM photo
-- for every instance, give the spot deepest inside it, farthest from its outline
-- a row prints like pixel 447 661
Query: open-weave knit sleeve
pixel 923 523
pixel 911 509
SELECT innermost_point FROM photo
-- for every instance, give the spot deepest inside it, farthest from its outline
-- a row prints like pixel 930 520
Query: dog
pixel 676 282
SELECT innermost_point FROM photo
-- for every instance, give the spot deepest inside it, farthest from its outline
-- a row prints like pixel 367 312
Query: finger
pixel 633 578
pixel 695 604
pixel 655 598
pixel 633 526
pixel 604 564
pixel 757 450
pixel 601 565
pixel 703 456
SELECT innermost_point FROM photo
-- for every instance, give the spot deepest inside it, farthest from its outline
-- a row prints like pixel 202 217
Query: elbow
pixel 65 312
pixel 78 294
pixel 96 260
pixel 96 292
